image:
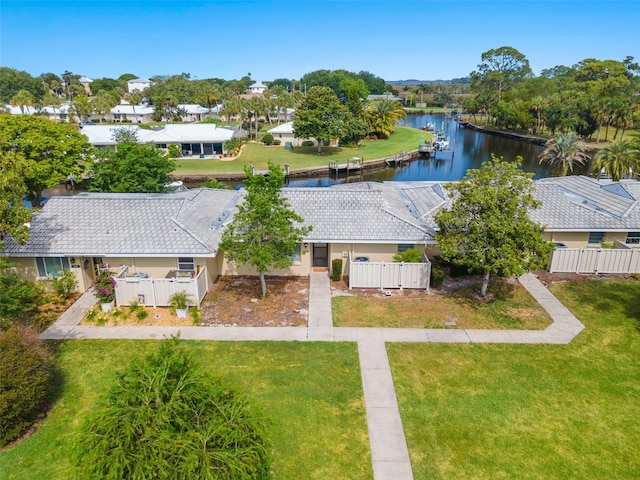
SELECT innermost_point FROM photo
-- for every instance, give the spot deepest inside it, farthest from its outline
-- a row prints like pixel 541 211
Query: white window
pixel 186 263
pixel 52 266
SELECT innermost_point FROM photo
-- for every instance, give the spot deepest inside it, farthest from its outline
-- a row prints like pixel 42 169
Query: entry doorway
pixel 320 255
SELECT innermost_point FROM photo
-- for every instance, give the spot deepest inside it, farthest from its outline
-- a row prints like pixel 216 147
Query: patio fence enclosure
pixel 595 260
pixel 385 275
pixel 155 292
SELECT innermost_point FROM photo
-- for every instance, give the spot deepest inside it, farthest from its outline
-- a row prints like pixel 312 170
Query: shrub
pixel 164 415
pixel 19 299
pixel 232 147
pixel 196 316
pixel 105 287
pixel 215 183
pixel 25 370
pixel 141 314
pixel 179 300
pixel 437 275
pixel 277 142
pixel 267 139
pixel 65 284
pixel 307 143
pixel 174 150
pixel 133 306
pixel 410 255
pixel 336 269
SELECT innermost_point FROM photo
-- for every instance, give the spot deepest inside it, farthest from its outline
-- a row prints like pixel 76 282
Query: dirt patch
pixel 550 278
pixel 237 301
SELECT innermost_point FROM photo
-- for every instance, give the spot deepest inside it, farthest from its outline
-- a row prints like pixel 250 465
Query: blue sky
pixel 270 39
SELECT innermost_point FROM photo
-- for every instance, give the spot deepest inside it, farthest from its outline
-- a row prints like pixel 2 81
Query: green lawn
pixel 311 392
pixel 403 139
pixel 530 411
pixel 509 307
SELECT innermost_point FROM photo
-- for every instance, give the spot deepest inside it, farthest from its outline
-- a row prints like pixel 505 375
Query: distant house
pixel 194 112
pixel 86 83
pixel 138 84
pixel 136 114
pixel 286 135
pixel 386 96
pixel 205 139
pixel 18 110
pixel 257 87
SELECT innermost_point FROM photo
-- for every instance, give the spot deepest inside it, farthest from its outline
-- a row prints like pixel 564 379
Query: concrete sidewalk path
pixel 389 452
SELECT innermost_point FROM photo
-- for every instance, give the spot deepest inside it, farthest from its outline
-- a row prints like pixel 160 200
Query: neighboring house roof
pixel 128 109
pixel 95 224
pixel 285 128
pixel 85 80
pixel 16 110
pixel 62 109
pixel 139 80
pixel 387 96
pixel 258 85
pixel 579 203
pixel 364 212
pixel 171 133
pixel 194 109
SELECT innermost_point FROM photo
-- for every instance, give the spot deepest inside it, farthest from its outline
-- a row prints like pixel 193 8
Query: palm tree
pixel 134 99
pixel 619 159
pixel 382 115
pixel 102 103
pixel 210 96
pixel 564 151
pixel 82 107
pixel 51 100
pixel 22 99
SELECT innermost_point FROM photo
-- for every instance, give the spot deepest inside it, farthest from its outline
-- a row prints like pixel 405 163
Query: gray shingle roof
pixel 364 212
pixel 88 224
pixel 584 204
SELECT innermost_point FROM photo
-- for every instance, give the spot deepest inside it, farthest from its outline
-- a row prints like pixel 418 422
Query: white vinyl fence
pixel 155 292
pixel 595 260
pixel 384 275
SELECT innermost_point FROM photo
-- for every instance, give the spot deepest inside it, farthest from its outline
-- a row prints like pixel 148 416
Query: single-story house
pixel 194 112
pixel 194 139
pixel 138 84
pixel 286 135
pixel 164 235
pixel 127 113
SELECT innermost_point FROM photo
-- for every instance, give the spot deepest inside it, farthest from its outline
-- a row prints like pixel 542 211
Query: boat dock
pixel 397 160
pixel 354 164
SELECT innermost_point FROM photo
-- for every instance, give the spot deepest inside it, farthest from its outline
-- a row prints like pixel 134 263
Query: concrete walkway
pixel 389 452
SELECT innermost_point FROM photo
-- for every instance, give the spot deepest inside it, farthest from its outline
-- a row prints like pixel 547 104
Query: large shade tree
pixel 52 150
pixel 501 69
pixel 487 226
pixel 13 214
pixel 131 167
pixel 320 115
pixel 265 231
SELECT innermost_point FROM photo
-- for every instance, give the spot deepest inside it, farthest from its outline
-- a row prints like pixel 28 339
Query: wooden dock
pixel 397 160
pixel 354 164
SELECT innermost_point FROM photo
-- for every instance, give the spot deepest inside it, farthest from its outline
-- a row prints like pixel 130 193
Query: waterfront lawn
pixel 259 155
pixel 510 307
pixel 530 411
pixel 311 393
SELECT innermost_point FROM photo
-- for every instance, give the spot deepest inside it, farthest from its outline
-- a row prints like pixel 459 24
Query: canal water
pixel 468 150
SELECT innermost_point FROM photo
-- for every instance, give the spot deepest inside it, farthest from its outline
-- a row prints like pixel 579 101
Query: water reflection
pixel 469 150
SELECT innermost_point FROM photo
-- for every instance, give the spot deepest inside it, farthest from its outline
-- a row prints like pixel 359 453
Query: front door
pixel 320 255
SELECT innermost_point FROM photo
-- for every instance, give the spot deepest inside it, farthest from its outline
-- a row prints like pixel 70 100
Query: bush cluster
pixel 336 269
pixel 25 371
pixel 163 418
pixel 307 143
pixel 267 139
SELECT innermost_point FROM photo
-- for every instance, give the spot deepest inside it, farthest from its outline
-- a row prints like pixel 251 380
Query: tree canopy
pixel 487 226
pixel 165 419
pixel 13 214
pixel 265 231
pixel 52 151
pixel 320 115
pixel 131 167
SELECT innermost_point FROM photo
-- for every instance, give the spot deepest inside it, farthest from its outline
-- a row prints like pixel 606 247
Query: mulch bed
pixel 237 301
